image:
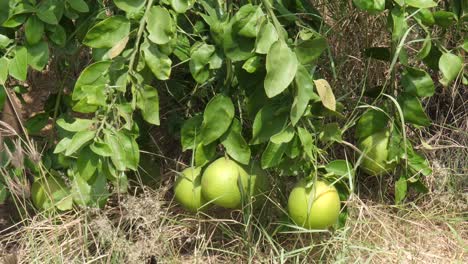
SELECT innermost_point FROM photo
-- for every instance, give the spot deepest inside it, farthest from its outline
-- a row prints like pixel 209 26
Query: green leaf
pixel 108 32
pixel 160 25
pixel 284 136
pixel 399 24
pixel 204 154
pixel 253 64
pixel 371 122
pixel 294 148
pixel 272 155
pixel 80 191
pixel 5 41
pixel 445 19
pixel 370 5
pixel 3 71
pixel 118 152
pixel 426 16
pixel 421 3
pixel 340 168
pixel 266 36
pixel 200 56
pixel 159 63
pixel 307 51
pixel 237 47
pixel 35 124
pixel 62 145
pixel 50 11
pixel 307 142
pixel 412 110
pixel 426 48
pixel 57 35
pixel 418 164
pixel 131 148
pixel 87 163
pixel 235 144
pixel 101 148
pixel 148 102
pixel 79 140
pixel 247 20
pixel 18 66
pixel 281 67
pixel 417 82
pixel 217 118
pixel 267 123
pixel 331 132
pixel 33 29
pixel 79 5
pixel 130 6
pixel 325 93
pixel 401 188
pixel 450 65
pixel 181 6
pixel 78 124
pixel 3 96
pixel 38 55
pixel 190 132
pixel 304 93
pixel 94 75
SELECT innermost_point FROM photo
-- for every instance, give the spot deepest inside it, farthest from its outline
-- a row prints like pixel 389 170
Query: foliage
pixel 252 68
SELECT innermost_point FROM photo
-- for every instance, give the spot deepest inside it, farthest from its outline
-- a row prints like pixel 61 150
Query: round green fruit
pixel 220 183
pixel 315 207
pixel 187 190
pixel 47 192
pixel 375 147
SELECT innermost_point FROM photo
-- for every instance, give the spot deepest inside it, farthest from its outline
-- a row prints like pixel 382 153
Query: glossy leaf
pixel 160 25
pixel 370 5
pixel 272 155
pixel 371 122
pixel 304 93
pixel 87 163
pixel 281 67
pixel 308 51
pixel 107 33
pixel 217 118
pixel 129 6
pixel 148 102
pixel 33 29
pixel 79 140
pixel 421 3
pixel 235 144
pixel 159 63
pixel 18 65
pixel 267 123
pixel 412 110
pixel 38 55
pixel 266 36
pixel 450 65
pixel 417 82
pixel 79 5
pixel 190 132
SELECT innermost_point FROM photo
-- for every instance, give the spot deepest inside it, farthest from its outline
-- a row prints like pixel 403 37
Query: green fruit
pixel 48 192
pixel 187 190
pixel 375 147
pixel 316 207
pixel 221 181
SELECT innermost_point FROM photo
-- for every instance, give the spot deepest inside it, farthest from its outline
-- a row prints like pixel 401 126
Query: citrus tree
pixel 245 77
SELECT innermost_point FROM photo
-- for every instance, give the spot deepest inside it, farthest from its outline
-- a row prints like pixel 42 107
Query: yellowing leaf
pixel 326 94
